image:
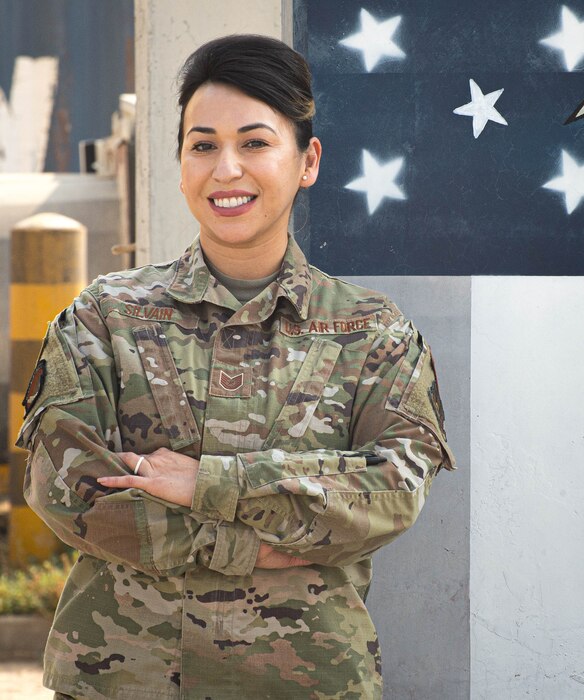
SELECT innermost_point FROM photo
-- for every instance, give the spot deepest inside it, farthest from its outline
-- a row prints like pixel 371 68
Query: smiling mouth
pixel 232 202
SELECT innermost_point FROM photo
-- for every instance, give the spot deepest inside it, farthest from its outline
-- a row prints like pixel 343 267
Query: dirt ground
pixel 22 681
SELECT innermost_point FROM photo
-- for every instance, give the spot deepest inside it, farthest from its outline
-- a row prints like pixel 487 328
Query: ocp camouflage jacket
pixel 277 398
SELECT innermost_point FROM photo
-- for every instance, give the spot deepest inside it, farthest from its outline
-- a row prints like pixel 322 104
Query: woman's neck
pixel 254 262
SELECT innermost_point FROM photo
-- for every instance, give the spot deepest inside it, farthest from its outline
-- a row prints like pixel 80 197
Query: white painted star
pixel 481 108
pixel 570 40
pixel 375 39
pixel 578 113
pixel 377 181
pixel 571 182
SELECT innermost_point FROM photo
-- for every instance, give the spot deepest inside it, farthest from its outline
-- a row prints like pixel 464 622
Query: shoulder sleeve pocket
pixel 55 380
pixel 416 396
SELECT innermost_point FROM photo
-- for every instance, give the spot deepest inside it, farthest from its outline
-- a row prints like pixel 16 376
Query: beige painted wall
pixel 167 31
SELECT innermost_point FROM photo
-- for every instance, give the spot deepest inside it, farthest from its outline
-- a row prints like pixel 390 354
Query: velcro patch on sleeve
pixel 415 394
pixel 422 398
pixel 55 378
pixel 62 382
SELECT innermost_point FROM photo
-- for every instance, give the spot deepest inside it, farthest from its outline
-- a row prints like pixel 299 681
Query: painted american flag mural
pixel 453 135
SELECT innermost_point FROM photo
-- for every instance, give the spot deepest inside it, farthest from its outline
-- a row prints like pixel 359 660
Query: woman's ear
pixel 180 186
pixel 311 163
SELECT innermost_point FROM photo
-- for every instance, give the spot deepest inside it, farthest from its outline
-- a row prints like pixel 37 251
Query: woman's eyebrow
pixel 241 130
pixel 202 130
pixel 256 125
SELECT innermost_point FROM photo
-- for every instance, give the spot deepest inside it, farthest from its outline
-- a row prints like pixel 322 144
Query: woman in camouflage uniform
pixel 229 437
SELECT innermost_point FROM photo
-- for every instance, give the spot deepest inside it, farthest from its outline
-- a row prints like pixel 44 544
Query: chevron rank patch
pixel 230 383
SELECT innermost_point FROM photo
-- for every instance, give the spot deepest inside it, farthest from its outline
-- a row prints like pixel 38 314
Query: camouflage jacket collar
pixel 193 283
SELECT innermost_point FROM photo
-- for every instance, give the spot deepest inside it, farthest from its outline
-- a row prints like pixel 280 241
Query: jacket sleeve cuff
pixel 236 549
pixel 217 488
pixel 272 467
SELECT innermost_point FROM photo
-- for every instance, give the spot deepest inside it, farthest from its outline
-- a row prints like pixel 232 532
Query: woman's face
pixel 241 167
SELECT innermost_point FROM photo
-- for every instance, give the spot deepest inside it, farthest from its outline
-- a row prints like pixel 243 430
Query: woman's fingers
pixel 138 464
pixel 122 482
pixel 269 558
pixel 162 473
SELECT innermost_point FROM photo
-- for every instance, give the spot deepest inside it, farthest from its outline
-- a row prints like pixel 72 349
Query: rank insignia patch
pixel 230 383
pixel 35 386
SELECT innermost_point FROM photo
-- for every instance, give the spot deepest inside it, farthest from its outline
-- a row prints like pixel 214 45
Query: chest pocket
pixel 294 418
pixel 167 389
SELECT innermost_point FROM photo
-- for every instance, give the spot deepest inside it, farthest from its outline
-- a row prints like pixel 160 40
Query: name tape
pixel 150 313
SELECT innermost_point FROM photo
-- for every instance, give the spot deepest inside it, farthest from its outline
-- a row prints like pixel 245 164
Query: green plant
pixel 35 590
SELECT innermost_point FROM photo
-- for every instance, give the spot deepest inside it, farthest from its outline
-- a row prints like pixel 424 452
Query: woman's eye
pixel 255 143
pixel 202 147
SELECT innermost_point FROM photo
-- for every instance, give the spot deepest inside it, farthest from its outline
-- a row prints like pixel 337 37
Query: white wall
pixel 527 493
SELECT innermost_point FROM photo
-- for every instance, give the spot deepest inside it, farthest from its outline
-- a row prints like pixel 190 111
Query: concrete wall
pixel 527 517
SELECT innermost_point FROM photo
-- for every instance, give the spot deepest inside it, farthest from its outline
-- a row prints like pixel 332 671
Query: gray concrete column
pixel 167 31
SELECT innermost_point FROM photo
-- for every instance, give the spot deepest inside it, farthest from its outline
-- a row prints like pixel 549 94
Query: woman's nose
pixel 227 166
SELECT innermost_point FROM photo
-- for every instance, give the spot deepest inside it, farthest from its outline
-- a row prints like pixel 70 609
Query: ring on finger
pixel 137 467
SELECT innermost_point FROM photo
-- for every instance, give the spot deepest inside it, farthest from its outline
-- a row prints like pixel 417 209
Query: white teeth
pixel 229 202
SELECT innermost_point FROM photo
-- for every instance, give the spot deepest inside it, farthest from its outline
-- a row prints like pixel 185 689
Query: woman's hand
pixel 165 474
pixel 269 558
pixel 171 476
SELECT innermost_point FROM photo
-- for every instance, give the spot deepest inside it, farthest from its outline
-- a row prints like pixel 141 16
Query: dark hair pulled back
pixel 261 67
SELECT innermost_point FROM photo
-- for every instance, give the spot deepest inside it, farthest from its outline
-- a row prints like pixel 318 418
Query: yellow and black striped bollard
pixel 48 268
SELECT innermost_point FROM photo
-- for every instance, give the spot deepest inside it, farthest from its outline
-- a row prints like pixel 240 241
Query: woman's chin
pixel 238 235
